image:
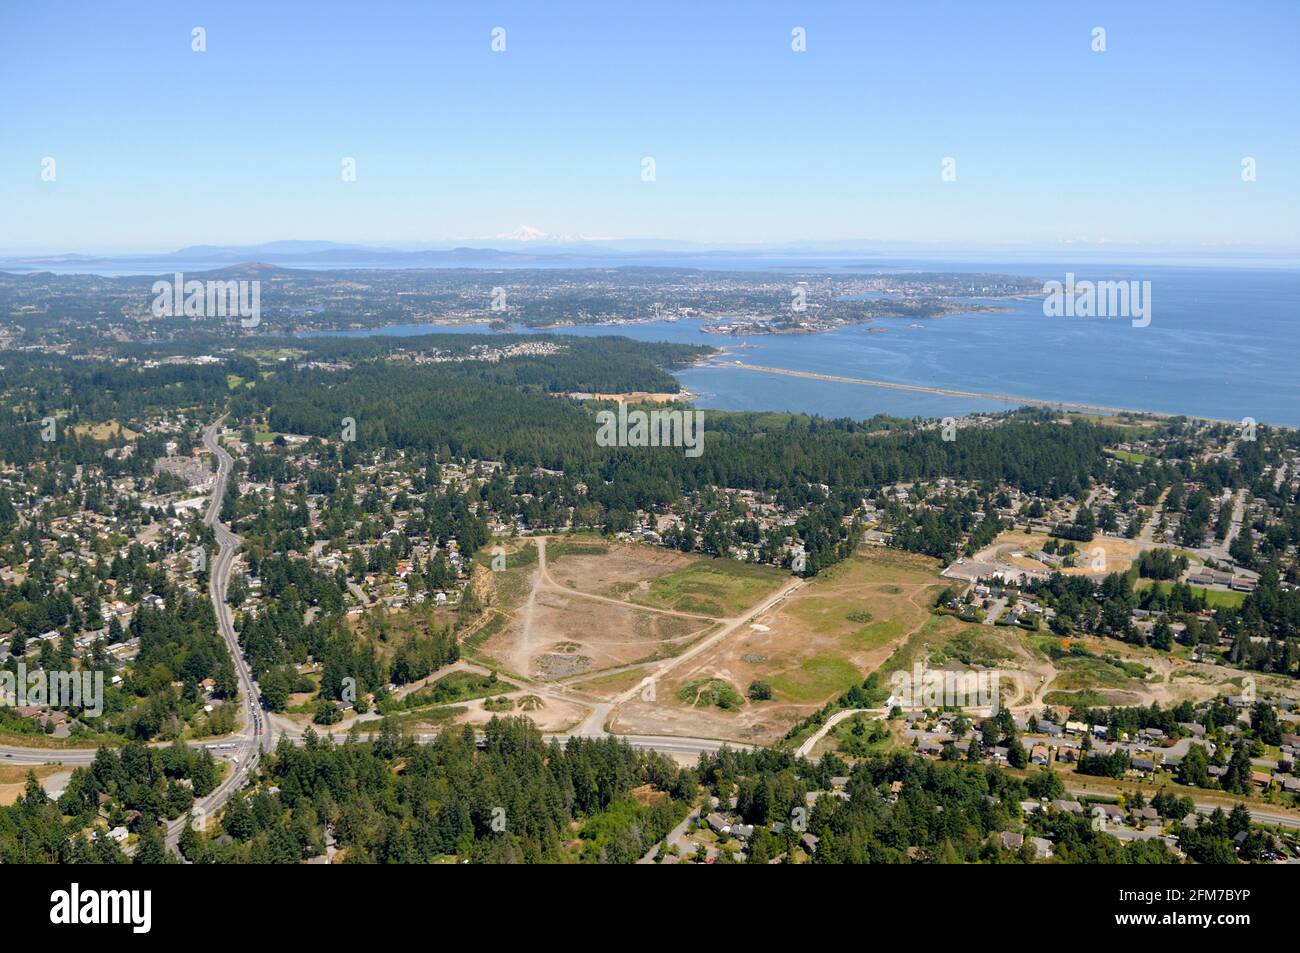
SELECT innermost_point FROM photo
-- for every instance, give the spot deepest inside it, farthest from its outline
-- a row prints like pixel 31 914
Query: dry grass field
pixel 575 607
pixel 1100 556
pixel 827 636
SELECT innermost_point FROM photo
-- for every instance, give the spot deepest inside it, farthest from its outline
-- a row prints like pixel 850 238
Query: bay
pixel 1223 342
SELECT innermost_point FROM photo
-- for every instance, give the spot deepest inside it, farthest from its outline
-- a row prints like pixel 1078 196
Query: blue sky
pixel 158 146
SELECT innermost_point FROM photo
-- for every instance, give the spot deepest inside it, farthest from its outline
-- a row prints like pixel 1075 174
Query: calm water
pixel 1222 342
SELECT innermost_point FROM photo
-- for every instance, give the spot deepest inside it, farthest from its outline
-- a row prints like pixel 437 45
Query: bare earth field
pixel 665 643
pixel 548 713
pixel 105 431
pixel 1102 555
pixel 811 647
pixel 13 779
pixel 1168 679
pixel 615 571
pixel 562 635
pixel 565 611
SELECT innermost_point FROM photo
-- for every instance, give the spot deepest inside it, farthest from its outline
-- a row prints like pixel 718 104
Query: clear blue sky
pixel 158 146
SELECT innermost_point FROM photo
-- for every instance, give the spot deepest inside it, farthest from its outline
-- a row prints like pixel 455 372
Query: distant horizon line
pixel 543 245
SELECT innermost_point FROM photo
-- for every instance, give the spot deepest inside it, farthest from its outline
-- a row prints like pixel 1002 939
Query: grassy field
pixel 876 634
pixel 578 546
pixel 975 645
pixel 511 585
pixel 611 684
pixel 1096 680
pixel 835 648
pixel 18 739
pixel 423 717
pixel 1079 699
pixel 714 587
pixel 1080 672
pixel 104 431
pixel 1135 428
pixel 1129 456
pixel 456 687
pixel 823 638
pixel 816 677
pixel 1214 598
pixel 710 693
pixel 928 644
pixel 274 355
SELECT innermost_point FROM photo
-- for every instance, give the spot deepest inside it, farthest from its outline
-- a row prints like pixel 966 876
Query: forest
pixel 512 797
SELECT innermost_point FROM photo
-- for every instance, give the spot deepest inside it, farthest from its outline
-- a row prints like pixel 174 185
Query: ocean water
pixel 1222 342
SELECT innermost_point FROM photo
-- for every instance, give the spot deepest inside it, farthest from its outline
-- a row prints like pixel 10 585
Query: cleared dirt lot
pixel 1101 555
pixel 613 570
pixel 13 779
pixel 809 649
pixel 561 635
pixel 563 614
pixel 548 713
pixel 659 578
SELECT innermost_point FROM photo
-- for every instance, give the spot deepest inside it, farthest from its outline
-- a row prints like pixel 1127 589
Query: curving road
pixel 257 734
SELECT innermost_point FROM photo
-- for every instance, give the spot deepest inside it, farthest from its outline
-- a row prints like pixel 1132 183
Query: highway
pixel 255 736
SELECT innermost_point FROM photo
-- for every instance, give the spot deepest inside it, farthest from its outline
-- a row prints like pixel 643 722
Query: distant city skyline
pixel 994 126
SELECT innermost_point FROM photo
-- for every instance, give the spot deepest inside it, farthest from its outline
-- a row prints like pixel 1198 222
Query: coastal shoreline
pixel 973 395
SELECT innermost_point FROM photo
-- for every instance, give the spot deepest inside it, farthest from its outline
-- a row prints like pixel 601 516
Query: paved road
pixel 1147 535
pixel 805 749
pixel 1203 807
pixel 1234 528
pixel 664 744
pixel 676 836
pixel 256 735
pixel 11 754
pixel 995 610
